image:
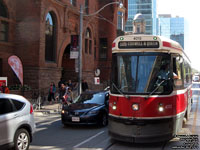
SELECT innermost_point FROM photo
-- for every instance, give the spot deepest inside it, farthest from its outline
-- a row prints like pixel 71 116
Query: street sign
pixel 96 80
pixel 3 79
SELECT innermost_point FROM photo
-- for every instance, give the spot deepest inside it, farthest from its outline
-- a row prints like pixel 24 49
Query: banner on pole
pixel 16 65
pixel 74 47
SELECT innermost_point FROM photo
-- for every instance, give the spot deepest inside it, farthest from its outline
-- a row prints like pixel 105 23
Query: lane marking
pixel 89 139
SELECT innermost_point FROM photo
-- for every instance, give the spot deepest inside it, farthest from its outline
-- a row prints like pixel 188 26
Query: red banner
pixel 16 65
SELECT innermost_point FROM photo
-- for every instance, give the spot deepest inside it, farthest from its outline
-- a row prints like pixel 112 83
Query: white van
pixel 196 78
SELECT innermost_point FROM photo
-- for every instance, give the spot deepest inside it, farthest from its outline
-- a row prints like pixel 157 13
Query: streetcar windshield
pixel 141 73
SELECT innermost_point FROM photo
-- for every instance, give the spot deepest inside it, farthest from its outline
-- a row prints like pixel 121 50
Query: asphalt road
pixel 52 135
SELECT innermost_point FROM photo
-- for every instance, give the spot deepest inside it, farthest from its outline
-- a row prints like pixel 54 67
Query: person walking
pixel 84 86
pixel 4 88
pixel 52 91
pixel 70 85
pixel 63 94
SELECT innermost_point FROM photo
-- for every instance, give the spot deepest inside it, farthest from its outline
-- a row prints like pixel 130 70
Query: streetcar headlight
pixel 161 107
pixel 135 107
pixel 114 107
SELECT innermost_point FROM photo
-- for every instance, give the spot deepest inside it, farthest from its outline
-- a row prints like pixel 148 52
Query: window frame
pixel 103 49
pixel 88 41
pixel 51 48
pixel 180 73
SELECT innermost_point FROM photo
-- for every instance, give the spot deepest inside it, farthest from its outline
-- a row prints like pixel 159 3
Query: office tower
pixel 148 9
pixel 171 27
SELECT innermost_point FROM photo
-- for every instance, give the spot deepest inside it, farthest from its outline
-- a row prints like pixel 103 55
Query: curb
pixel 46 112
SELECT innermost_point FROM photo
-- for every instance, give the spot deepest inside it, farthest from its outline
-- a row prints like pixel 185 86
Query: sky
pixel 190 10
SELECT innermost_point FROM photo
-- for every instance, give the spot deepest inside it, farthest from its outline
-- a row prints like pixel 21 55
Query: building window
pixel 73 2
pixel 87 6
pixel 103 48
pixel 138 29
pixel 1 66
pixel 3 10
pixel 3 24
pixel 88 41
pixel 4 31
pixel 120 21
pixel 50 37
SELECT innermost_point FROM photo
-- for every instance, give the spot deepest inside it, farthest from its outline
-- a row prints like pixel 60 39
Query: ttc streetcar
pixel 150 89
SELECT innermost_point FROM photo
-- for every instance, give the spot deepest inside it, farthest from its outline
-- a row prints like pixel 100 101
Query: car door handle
pixel 15 116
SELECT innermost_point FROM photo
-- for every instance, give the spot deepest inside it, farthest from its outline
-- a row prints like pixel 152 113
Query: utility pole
pixel 80 50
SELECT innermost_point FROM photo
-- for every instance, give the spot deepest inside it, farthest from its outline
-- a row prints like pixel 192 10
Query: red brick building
pixel 40 32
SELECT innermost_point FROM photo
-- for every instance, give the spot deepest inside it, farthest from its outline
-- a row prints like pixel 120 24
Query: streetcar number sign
pixel 138 44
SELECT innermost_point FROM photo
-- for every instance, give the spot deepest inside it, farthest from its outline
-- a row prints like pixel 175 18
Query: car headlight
pixel 64 112
pixel 93 112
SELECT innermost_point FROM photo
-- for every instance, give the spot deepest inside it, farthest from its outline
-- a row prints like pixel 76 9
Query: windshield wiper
pixel 119 90
pixel 155 89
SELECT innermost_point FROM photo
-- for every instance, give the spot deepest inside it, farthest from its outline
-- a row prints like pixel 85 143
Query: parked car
pixel 16 122
pixel 88 108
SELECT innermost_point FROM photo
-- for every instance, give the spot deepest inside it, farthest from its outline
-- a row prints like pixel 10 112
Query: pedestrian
pixel 70 85
pixel 52 91
pixel 70 95
pixel 63 94
pixel 4 88
pixel 84 86
pixel 60 82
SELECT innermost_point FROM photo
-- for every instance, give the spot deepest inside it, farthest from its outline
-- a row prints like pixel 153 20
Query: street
pixel 52 135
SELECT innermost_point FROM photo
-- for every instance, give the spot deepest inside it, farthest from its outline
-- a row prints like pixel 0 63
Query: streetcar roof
pixel 128 44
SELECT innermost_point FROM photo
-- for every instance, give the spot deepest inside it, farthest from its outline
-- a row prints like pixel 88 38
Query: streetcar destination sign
pixel 138 44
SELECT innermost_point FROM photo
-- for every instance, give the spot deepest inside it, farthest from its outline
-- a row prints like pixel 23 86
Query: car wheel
pixel 104 120
pixel 21 140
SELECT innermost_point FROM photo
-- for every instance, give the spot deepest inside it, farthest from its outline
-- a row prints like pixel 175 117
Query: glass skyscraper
pixel 171 27
pixel 148 9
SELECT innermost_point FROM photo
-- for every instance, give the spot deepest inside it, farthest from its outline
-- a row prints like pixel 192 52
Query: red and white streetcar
pixel 150 91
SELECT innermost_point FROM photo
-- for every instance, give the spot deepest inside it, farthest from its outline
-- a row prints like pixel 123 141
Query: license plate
pixel 75 119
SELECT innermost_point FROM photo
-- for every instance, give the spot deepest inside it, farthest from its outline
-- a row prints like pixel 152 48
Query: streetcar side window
pixel 187 74
pixel 177 70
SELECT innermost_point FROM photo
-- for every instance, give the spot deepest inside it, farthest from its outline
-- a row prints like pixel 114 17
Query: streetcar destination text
pixel 138 44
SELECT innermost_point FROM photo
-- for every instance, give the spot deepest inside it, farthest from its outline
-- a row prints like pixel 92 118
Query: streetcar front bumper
pixel 143 130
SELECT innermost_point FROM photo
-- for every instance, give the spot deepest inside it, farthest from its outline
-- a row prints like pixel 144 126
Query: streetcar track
pixel 163 147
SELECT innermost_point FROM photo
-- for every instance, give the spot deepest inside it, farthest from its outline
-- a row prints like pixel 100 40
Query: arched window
pixel 73 2
pixel 50 37
pixel 3 22
pixel 88 41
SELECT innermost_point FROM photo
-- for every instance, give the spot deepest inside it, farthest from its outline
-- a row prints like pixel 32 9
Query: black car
pixel 88 108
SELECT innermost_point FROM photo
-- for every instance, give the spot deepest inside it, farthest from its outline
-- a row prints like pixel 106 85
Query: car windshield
pixel 195 85
pixel 141 73
pixel 91 98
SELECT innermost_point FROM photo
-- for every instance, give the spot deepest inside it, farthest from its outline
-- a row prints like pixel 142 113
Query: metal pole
pixel 80 50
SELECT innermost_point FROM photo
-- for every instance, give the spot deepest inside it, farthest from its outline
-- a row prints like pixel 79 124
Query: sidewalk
pixel 50 109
